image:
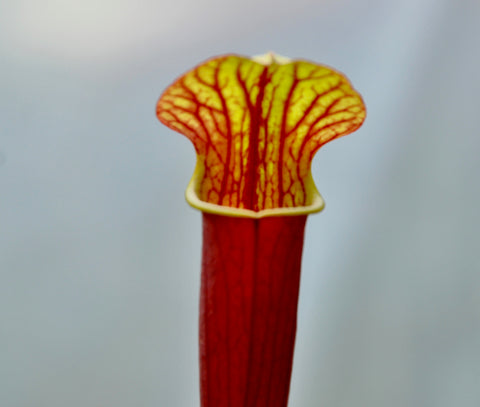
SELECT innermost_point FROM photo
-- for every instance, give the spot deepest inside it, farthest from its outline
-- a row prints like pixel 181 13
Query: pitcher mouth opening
pixel 316 202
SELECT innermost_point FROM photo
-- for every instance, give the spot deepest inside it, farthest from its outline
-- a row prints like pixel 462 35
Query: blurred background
pixel 100 256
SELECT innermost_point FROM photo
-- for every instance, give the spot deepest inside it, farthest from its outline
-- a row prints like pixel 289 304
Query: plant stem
pixel 248 309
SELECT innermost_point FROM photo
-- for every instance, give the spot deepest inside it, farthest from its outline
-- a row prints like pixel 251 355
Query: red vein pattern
pixel 256 127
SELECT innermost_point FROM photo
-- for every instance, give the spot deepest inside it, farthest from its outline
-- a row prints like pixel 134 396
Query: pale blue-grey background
pixel 99 254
